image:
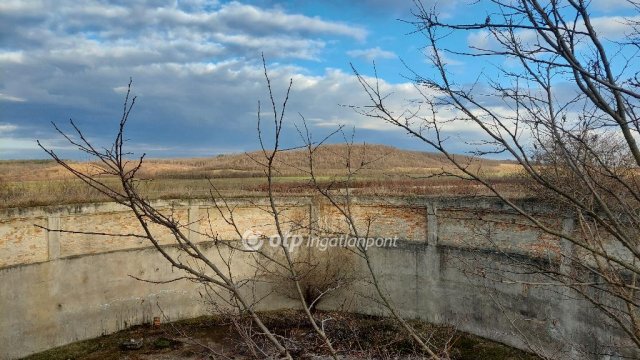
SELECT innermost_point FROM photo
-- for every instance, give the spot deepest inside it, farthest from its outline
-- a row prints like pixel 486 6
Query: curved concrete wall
pixel 57 288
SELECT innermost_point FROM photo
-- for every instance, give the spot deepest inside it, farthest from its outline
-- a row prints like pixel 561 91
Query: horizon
pixel 240 153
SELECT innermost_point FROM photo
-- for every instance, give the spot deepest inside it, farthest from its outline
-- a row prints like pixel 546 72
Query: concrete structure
pixel 57 288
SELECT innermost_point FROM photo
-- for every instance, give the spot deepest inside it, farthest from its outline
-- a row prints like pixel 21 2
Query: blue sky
pixel 197 73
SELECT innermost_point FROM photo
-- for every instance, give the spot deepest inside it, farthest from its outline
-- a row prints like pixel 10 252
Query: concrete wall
pixel 57 288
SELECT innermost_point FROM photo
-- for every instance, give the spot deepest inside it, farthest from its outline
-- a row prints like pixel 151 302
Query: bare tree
pixel 216 272
pixel 216 276
pixel 270 155
pixel 305 277
pixel 311 286
pixel 337 192
pixel 563 102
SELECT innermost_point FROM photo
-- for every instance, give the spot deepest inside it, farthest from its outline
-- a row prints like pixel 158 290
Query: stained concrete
pixel 56 289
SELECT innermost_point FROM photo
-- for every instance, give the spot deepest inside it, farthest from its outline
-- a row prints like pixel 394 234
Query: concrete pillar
pixel 314 217
pixel 53 237
pixel 566 247
pixel 193 218
pixel 432 225
pixel 428 289
pixel 568 305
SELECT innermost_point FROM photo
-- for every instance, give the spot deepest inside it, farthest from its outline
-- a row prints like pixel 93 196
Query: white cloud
pixel 195 67
pixel 6 128
pixel 12 56
pixel 251 16
pixel 372 54
pixel 19 6
pixel 6 97
pixel 290 47
pixel 480 39
pixel 27 147
pixel 55 48
pixel 189 101
pixel 613 27
pixel 12 144
pixel 167 30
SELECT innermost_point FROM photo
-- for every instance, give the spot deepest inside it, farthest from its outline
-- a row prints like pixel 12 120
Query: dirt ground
pixel 354 336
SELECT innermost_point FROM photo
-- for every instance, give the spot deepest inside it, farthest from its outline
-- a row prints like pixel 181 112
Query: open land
pixel 381 170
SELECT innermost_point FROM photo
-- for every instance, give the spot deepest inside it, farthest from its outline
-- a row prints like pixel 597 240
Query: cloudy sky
pixel 197 71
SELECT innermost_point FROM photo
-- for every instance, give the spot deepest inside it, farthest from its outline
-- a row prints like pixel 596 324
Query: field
pixel 386 170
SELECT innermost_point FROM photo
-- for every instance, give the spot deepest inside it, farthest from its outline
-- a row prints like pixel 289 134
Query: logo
pixel 252 240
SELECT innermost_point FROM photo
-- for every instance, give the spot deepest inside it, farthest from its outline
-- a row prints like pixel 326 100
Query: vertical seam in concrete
pixel 568 306
pixel 432 225
pixel 416 303
pixel 193 219
pixel 53 237
pixel 313 218
pixel 566 247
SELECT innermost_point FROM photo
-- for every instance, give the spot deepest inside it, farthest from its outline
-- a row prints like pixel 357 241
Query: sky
pixel 197 71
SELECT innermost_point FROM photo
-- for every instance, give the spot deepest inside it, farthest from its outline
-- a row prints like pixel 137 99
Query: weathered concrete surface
pixel 434 284
pixel 48 304
pixel 57 302
pixel 56 288
pixel 21 242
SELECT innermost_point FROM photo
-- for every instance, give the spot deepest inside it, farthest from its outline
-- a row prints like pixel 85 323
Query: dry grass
pixel 389 171
pixel 355 337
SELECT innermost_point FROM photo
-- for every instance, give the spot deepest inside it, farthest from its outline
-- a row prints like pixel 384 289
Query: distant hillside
pixel 328 160
pixel 43 182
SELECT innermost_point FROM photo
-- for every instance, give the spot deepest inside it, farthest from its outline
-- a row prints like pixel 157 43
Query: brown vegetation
pixel 359 336
pixel 389 171
pixel 330 161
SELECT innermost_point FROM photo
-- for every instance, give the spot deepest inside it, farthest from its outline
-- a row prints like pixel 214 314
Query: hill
pixel 328 160
pixel 385 170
